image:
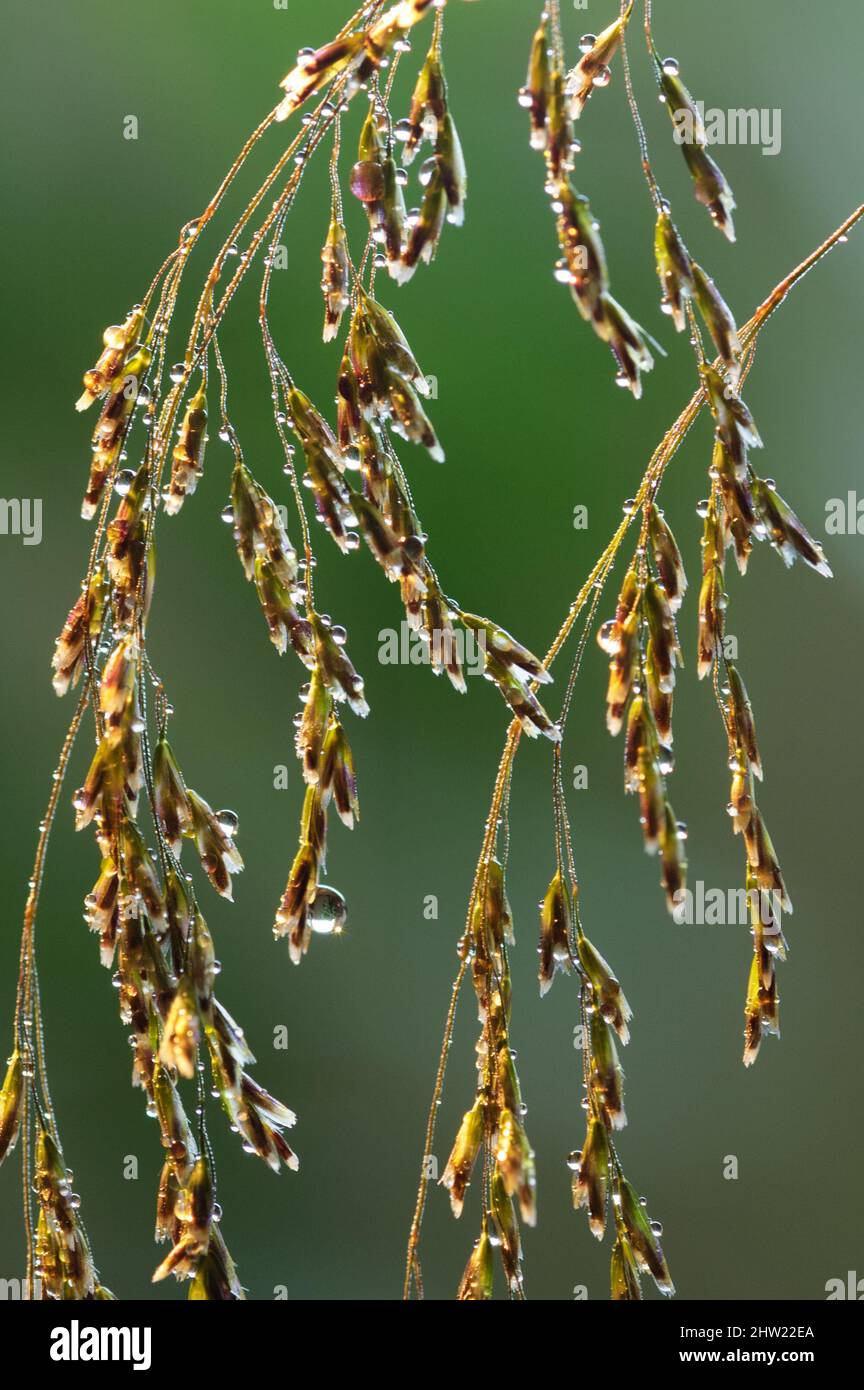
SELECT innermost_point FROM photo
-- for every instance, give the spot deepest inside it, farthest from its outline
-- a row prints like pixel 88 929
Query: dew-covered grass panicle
pixel 645 654
pixel 158 388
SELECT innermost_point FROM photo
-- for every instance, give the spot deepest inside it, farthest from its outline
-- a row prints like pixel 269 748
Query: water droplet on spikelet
pixel 327 911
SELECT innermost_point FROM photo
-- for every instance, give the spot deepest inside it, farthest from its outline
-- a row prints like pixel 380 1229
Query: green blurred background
pixel 533 425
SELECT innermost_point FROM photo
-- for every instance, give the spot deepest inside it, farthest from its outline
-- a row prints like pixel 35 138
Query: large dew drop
pixel 327 911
